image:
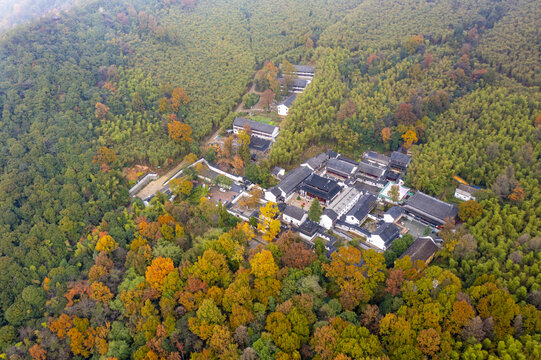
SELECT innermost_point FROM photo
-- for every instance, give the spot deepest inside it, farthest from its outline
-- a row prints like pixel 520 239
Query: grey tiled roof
pixel 348 160
pixel 387 232
pixel 400 158
pixel 332 154
pixel 321 187
pixel 309 228
pixel 275 191
pixel 276 170
pixel 422 249
pixel 469 189
pixel 363 207
pixel 293 179
pixel 288 101
pixel 294 212
pixel 304 68
pixel 431 207
pixel 255 125
pixel 259 144
pixel 395 212
pixel 371 170
pixel 377 157
pixel 302 83
pixel 330 213
pixel 341 167
pixel 318 161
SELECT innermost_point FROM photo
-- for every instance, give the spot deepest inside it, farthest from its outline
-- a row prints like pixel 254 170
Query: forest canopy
pixel 89 272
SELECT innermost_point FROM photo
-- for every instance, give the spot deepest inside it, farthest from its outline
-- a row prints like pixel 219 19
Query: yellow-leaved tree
pixel 106 243
pixel 269 224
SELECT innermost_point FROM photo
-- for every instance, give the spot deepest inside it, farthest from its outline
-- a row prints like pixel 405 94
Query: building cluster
pixel 350 200
pixel 262 138
pixel 304 75
pixel 349 192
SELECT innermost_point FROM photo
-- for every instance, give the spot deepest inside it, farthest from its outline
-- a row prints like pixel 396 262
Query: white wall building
pixel 285 105
pixel 294 215
pixel 465 192
pixel 261 130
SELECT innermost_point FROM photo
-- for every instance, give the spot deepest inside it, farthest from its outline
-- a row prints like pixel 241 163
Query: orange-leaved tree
pixel 105 156
pixel 180 132
pixel 386 134
pixel 158 271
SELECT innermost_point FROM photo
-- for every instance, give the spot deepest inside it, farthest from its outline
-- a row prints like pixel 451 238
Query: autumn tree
pixel 100 292
pixel 264 268
pixel 412 43
pixel 357 283
pixel 386 134
pixel 105 156
pixel 178 98
pixel 164 106
pixel 37 352
pixel 394 281
pixel 347 110
pixel 211 268
pixel 208 316
pixel 461 314
pixel 298 255
pixel 238 165
pixel 428 341
pixel 405 114
pixel 470 209
pixel 253 197
pixel 106 243
pixel 157 272
pixel 410 138
pixel 61 325
pixel 499 305
pixel 517 195
pixel 180 132
pixel 181 186
pixel 269 224
pixel 267 98
pixel 190 158
pixel 101 111
pixel 537 122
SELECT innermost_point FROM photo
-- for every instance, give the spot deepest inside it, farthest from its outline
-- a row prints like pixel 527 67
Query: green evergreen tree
pixel 314 213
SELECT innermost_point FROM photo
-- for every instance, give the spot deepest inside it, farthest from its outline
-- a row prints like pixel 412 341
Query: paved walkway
pixel 156 185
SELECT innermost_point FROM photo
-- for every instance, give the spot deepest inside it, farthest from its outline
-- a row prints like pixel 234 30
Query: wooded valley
pixel 90 272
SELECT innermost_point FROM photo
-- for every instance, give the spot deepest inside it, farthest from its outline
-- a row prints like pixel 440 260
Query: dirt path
pixel 256 107
pixel 155 186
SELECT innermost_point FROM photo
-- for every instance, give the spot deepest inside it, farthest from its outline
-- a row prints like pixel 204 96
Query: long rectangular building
pixel 430 209
pixel 259 129
pixel 302 71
